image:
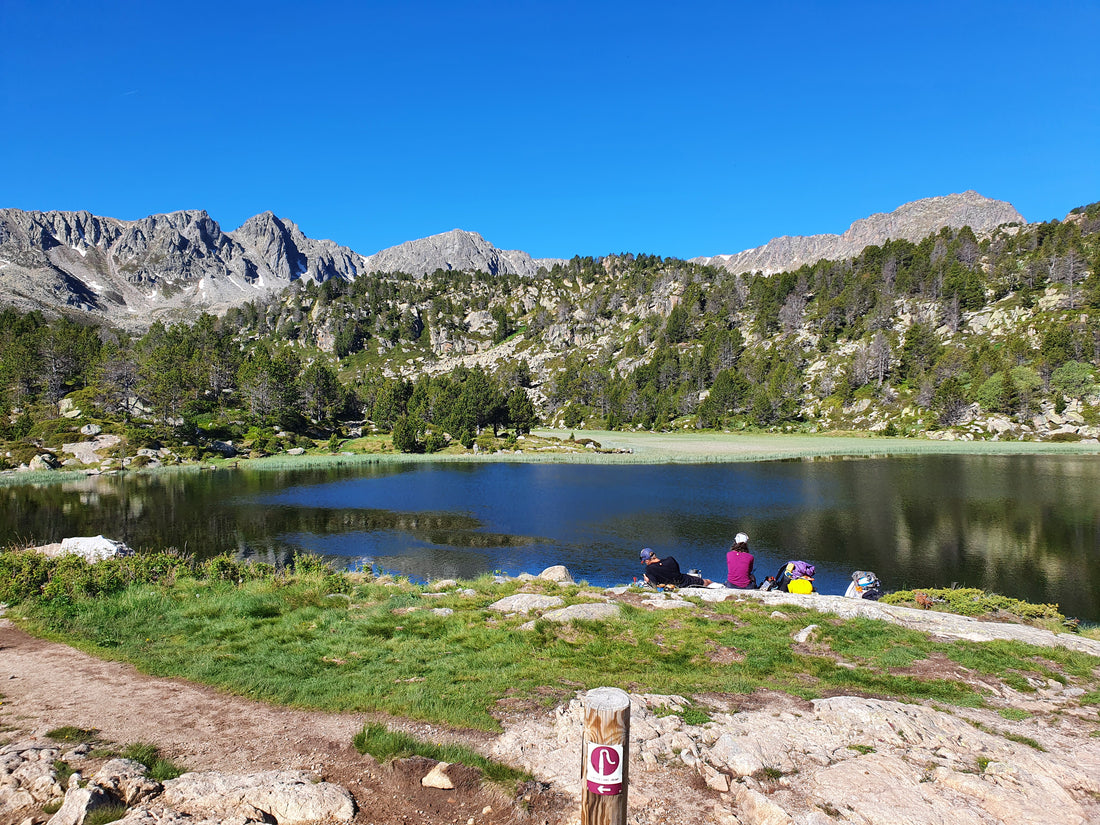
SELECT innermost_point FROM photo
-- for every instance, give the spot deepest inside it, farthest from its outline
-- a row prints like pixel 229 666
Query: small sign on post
pixel 605 756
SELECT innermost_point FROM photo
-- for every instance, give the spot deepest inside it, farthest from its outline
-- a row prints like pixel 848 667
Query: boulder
pixel 79 802
pixel 94 548
pixel 43 461
pixel 558 573
pixel 223 448
pixel 126 779
pixel 596 612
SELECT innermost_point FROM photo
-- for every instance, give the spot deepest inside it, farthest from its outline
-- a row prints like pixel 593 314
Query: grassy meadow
pixel 343 642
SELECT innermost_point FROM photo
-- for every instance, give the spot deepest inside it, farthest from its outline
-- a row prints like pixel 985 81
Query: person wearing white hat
pixel 739 564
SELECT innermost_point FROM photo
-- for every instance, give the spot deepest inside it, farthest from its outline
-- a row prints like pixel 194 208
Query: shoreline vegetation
pixel 449 653
pixel 601 447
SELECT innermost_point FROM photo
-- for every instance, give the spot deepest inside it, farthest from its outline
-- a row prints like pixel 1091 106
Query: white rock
pixel 94 548
pixel 558 573
pixel 753 808
pixel 437 778
pixel 806 633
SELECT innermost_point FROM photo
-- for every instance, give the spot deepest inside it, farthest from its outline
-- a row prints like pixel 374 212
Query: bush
pixel 222 568
pixel 23 574
pixel 970 601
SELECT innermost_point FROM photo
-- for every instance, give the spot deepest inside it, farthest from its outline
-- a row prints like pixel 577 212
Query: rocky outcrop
pixel 287 797
pixel 842 758
pixel 912 222
pixel 456 250
pixel 30 779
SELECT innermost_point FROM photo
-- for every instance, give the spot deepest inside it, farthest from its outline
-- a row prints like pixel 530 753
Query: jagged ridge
pixel 910 222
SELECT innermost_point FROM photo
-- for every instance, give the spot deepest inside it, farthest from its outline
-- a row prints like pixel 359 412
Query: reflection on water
pixel 1026 526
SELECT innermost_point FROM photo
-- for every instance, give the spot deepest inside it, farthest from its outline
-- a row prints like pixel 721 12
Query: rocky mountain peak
pixel 911 221
pixel 456 250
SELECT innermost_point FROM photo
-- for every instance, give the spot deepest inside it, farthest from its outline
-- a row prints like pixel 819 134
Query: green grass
pixel 385 744
pixel 282 639
pixel 105 814
pixel 160 769
pixel 72 734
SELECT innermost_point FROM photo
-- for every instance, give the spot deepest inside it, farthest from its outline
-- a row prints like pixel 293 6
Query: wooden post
pixel 605 757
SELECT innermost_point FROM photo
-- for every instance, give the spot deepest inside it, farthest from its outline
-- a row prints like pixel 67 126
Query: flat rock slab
pixel 590 612
pixel 525 603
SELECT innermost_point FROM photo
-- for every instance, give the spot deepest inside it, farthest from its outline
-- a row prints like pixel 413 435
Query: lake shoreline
pixel 617 447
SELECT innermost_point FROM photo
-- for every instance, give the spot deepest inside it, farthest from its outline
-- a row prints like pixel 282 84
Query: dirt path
pixel 45 685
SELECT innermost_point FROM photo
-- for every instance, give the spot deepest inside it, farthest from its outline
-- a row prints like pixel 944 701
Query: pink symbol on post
pixel 605 769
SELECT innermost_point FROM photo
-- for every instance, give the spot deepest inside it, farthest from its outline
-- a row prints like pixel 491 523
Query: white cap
pixel 741 538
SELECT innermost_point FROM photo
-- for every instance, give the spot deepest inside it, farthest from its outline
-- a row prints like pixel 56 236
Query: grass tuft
pixel 160 769
pixel 384 744
pixel 105 814
pixel 69 733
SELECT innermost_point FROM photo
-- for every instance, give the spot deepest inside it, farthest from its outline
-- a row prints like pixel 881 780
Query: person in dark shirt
pixel 662 572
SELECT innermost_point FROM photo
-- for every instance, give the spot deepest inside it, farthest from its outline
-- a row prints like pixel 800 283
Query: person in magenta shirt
pixel 739 564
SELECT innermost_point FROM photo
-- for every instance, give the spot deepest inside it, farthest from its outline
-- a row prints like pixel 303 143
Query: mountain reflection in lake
pixel 1025 526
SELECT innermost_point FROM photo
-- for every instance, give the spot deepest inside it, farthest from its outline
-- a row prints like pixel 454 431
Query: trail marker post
pixel 605 754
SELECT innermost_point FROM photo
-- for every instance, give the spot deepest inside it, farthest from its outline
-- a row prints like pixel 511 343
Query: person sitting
pixel 666 572
pixel 739 563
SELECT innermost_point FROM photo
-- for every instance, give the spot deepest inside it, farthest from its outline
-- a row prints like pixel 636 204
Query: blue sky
pixel 684 129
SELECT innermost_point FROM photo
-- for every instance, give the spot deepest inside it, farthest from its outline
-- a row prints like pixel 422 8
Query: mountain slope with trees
pixel 957 335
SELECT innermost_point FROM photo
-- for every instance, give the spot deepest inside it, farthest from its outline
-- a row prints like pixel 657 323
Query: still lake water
pixel 1024 526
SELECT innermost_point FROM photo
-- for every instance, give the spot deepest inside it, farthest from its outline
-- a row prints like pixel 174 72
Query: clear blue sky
pixel 687 128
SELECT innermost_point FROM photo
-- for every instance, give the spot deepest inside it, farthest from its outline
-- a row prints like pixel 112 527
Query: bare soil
pixel 45 685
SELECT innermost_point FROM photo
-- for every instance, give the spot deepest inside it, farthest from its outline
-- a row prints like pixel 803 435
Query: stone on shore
pixel 558 573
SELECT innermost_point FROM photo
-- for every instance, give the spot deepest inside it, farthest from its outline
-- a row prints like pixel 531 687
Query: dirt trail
pixel 45 685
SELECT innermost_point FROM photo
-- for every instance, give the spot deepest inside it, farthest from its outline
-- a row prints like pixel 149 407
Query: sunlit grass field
pixel 339 643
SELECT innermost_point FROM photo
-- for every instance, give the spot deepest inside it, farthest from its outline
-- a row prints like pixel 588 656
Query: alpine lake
pixel 1026 526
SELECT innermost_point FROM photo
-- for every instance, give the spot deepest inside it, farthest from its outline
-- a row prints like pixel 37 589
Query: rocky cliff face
pixel 132 271
pixel 455 250
pixel 911 222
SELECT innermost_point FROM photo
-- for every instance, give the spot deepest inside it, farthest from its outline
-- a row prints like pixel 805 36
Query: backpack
pixel 801 570
pixel 867 585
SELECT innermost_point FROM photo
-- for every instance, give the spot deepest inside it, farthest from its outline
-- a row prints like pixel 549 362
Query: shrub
pixel 23 574
pixel 308 564
pixel 222 568
pixel 970 601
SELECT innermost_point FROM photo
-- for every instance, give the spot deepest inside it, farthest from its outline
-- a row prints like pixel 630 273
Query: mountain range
pixel 132 272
